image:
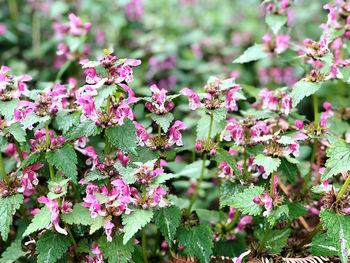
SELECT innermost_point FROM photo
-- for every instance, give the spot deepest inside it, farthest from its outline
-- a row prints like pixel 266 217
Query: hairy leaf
pixel 244 201
pixel 197 241
pixel 64 159
pixel 8 207
pixel 229 189
pixel 123 137
pixel 270 164
pixel 275 22
pixel 51 246
pixel 79 215
pixel 276 239
pixel 163 120
pixel 168 219
pixel 253 53
pixel 116 251
pixel 303 89
pixel 40 221
pixel 135 221
pixel 288 169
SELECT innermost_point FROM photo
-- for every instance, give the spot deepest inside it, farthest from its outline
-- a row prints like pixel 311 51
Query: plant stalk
pixel 233 222
pixel 4 174
pixel 143 232
pixel 308 176
pixel 344 188
pixel 18 149
pixel 52 172
pixel 159 138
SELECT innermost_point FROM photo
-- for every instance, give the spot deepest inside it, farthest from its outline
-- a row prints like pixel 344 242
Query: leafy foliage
pixel 253 53
pixel 244 201
pixel 163 120
pixel 168 219
pixel 40 221
pixel 116 251
pixel 197 241
pixel 135 221
pixel 8 207
pixel 303 89
pixel 276 239
pixel 123 137
pixel 270 164
pixel 51 247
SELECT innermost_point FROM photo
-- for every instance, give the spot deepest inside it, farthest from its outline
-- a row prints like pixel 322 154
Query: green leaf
pixel 86 128
pixel 32 118
pixel 322 245
pixel 98 222
pixel 338 159
pixel 135 221
pixel 31 159
pixel 40 221
pixel 65 122
pixel 7 108
pixel 64 159
pixel 12 252
pixel 79 215
pixel 259 114
pixel 270 164
pixel 17 131
pixel 276 239
pixel 244 201
pixel 123 137
pixel 275 22
pixel 303 89
pixel 102 95
pixel 287 211
pixel 229 189
pixel 327 62
pixel 288 169
pixel 163 120
pixel 192 170
pixel 143 155
pixel 338 229
pixel 95 175
pixel 253 53
pixel 203 127
pixel 8 207
pixel 225 156
pixel 197 241
pixel 51 247
pixel 116 251
pixel 207 216
pixel 219 114
pixel 167 220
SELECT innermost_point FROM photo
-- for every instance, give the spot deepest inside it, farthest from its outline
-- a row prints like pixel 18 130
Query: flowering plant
pixel 96 168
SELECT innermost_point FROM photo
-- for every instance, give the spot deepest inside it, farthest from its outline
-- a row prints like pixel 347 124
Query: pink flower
pixel 134 10
pixel 299 124
pixel 269 101
pixel 324 118
pixel 158 194
pixel 29 177
pixel 225 169
pixel 87 105
pixel 122 112
pixel 175 134
pixel 286 104
pixel 236 133
pixel 231 102
pixel 231 214
pixel 108 227
pixel 54 211
pixel 268 204
pixel 141 134
pixel 193 98
pixel 244 221
pixel 281 43
pixel 76 26
pixel 259 129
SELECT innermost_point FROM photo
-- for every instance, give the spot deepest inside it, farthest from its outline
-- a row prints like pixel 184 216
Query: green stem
pixel 144 249
pixel 18 148
pixel 71 236
pixel 315 104
pixel 233 222
pixel 143 232
pixel 106 138
pixel 52 172
pixel 264 238
pixel 195 193
pixel 344 188
pixel 308 176
pixel 271 184
pixel 36 35
pixel 4 174
pixel 310 236
pixel 194 196
pixel 159 139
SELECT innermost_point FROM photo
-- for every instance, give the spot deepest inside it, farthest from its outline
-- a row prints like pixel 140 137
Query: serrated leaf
pixel 17 131
pixel 32 118
pixel 102 95
pixel 338 159
pixel 288 169
pixel 260 114
pixel 276 239
pixel 64 159
pixel 192 170
pixel 219 114
pixel 80 215
pixel 95 175
pixel 65 122
pixel 275 22
pixel 303 89
pixel 116 251
pixel 253 53
pixel 12 252
pixel 31 159
pixel 123 137
pixel 289 211
pixel 144 154
pixel 50 247
pixel 8 207
pixel 197 241
pixel 163 120
pixel 338 229
pixel 322 245
pixel 208 216
pixel 97 223
pixel 327 62
pixel 135 221
pixel 167 220
pixel 270 164
pixel 40 221
pixel 86 128
pixel 244 201
pixel 229 189
pixel 7 108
